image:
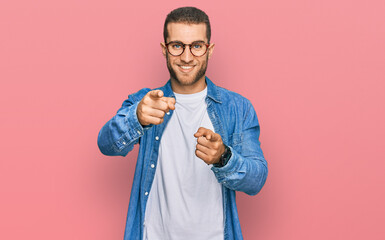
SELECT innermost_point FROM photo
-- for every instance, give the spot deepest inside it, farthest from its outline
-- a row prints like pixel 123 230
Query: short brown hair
pixel 187 15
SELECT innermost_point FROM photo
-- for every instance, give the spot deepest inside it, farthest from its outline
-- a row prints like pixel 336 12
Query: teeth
pixel 186 67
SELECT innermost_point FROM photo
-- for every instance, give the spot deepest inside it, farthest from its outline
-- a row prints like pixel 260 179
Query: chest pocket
pixel 236 140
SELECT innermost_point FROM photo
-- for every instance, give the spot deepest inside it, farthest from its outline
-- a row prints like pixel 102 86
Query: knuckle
pixel 145 118
pixel 197 153
pixel 213 153
pixel 165 106
pixel 142 109
pixel 145 110
pixel 146 100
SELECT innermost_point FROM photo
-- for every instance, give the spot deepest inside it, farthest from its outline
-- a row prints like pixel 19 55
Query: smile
pixel 185 69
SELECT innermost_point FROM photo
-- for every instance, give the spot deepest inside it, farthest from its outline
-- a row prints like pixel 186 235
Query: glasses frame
pixel 189 46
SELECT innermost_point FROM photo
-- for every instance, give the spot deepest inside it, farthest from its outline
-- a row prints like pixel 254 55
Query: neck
pixel 198 86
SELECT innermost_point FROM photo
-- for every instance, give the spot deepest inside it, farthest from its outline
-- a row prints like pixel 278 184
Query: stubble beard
pixel 201 73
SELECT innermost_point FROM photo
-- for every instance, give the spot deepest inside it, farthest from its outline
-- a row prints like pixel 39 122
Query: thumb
pixel 171 103
pixel 208 136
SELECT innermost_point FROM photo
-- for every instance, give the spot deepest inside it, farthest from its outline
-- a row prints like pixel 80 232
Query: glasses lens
pixel 175 49
pixel 198 49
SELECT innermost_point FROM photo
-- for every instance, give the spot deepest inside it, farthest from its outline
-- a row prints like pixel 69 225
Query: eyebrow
pixel 177 41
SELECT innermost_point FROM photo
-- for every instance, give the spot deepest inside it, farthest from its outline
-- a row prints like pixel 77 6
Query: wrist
pixel 225 157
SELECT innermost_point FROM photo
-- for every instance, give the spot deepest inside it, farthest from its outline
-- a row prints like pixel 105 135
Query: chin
pixel 186 81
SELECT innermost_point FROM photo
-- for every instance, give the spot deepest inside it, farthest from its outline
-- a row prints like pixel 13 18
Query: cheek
pixel 202 62
pixel 173 62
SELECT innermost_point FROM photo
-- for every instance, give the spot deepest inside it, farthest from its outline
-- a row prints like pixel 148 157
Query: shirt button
pixel 152 165
pixel 146 193
pixel 156 138
pixel 224 182
pixel 124 143
pixel 138 132
pixel 168 113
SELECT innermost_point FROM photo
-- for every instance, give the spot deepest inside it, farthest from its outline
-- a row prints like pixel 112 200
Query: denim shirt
pixel 233 118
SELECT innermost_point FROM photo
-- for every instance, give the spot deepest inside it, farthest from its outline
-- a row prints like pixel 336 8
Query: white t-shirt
pixel 185 201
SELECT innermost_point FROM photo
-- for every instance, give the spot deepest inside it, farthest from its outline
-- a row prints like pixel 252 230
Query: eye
pixel 176 45
pixel 197 46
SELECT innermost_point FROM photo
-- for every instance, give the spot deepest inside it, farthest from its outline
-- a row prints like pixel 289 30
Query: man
pixel 199 143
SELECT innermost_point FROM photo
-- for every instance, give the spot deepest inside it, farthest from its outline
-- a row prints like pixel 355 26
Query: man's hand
pixel 153 106
pixel 209 146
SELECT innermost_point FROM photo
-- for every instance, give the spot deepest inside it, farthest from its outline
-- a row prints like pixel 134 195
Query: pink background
pixel 314 71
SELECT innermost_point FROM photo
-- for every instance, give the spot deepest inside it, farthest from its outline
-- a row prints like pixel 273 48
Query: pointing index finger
pixel 156 94
pixel 210 135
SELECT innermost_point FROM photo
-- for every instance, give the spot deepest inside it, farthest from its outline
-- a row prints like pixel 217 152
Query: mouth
pixel 185 68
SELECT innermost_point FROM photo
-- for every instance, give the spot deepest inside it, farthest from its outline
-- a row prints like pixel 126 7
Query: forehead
pixel 186 33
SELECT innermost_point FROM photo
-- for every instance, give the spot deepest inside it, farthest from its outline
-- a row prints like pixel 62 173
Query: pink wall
pixel 314 70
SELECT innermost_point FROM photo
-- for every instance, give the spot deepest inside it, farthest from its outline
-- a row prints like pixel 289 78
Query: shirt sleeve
pixel 119 135
pixel 246 170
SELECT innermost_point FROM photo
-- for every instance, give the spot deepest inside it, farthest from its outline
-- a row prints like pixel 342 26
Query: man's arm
pixel 245 171
pixel 119 135
pixel 145 108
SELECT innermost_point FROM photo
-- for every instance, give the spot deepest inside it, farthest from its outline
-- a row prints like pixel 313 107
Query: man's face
pixel 187 69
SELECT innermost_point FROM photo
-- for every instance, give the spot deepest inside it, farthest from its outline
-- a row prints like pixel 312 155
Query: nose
pixel 186 55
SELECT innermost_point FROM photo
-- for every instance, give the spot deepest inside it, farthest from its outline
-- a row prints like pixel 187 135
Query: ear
pixel 211 49
pixel 163 46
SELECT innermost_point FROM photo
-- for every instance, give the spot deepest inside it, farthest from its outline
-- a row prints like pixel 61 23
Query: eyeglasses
pixel 197 49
